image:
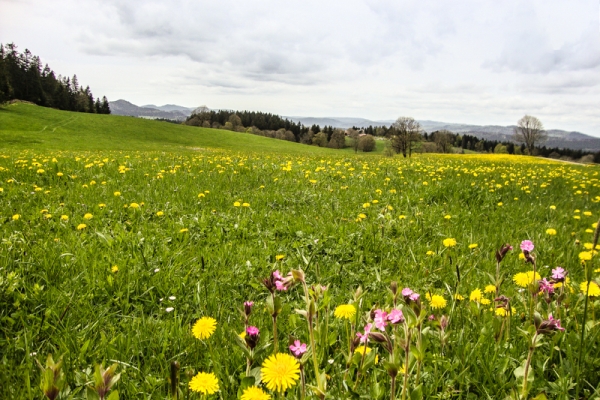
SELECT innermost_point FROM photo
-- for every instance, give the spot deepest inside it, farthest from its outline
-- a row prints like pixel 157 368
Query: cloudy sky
pixel 469 61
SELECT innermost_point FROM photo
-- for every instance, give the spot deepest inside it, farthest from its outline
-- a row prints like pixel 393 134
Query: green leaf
pixel 114 395
pixel 417 393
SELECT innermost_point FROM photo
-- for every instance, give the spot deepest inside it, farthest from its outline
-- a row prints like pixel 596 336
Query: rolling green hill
pixel 25 126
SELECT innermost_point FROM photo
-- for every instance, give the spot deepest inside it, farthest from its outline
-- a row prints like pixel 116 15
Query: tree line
pixel 22 77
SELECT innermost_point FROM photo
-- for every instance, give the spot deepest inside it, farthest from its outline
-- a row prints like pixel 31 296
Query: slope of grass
pixel 23 126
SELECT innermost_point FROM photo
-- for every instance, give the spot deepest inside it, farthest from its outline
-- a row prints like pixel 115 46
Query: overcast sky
pixel 469 61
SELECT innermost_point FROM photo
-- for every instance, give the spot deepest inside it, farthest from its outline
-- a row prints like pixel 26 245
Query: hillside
pixel 26 126
pixel 125 108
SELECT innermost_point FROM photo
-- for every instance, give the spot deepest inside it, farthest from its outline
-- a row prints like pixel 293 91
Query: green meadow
pixel 119 234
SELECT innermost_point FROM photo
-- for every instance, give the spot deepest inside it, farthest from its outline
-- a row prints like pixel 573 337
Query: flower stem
pixel 527 364
pixel 406 360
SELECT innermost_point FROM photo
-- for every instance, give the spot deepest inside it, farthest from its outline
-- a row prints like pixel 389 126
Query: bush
pixel 366 143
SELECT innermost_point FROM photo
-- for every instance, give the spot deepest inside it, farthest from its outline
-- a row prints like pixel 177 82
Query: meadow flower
pixel 366 350
pixel 16 217
pixel 134 205
pixel 546 286
pixel 345 311
pixel 490 289
pixel 558 274
pixel 395 316
pixel 476 295
pixel 365 337
pixel 160 213
pixel 279 257
pixel 298 348
pixel 585 255
pixel 245 204
pixel 485 301
pixel 437 301
pixel 204 327
pixel 88 216
pixel 450 242
pixel 205 383
pixel 81 227
pixel 114 269
pixel 255 393
pixel 473 246
pixel 280 371
pixel 527 245
pixel 183 230
pixel 525 279
pixel 237 204
pixel 459 297
pixel 551 231
pixel 117 194
pixel 251 336
pixel 594 289
pixel 380 319
pixel 64 217
pixel 550 325
pixel 248 307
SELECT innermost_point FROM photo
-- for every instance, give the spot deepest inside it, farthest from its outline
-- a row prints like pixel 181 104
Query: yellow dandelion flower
pixel 476 295
pixel 551 231
pixel 490 289
pixel 280 371
pixel 524 279
pixel 245 204
pixel 437 301
pixel 500 204
pixel 81 227
pixel 521 256
pixel 459 297
pixel 117 194
pixel 450 242
pixel 587 213
pixel 204 327
pixel 47 216
pixel 585 255
pixel 366 205
pixel 205 383
pixel 134 205
pixel 485 301
pixel 501 312
pixel 236 204
pixel 64 217
pixel 255 393
pixel 345 311
pixel 201 195
pixel 101 205
pixel 114 269
pixel 362 349
pixel 362 216
pixel 16 217
pixel 473 246
pixel 558 285
pixel 59 174
pixel 553 207
pixel 279 257
pixel 160 213
pixel 447 216
pixel 88 216
pixel 183 230
pixel 430 253
pixel 594 289
pixel 401 216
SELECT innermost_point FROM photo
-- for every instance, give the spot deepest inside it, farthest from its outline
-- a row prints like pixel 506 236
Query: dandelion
pixel 204 327
pixel 117 194
pixel 500 204
pixel 553 207
pixel 64 217
pixel 366 205
pixel 88 216
pixel 490 289
pixel 473 246
pixel 585 255
pixel 160 213
pixel 485 301
pixel 205 383
pixel 430 253
pixel 551 231
pixel 16 217
pixel 114 269
pixel 594 289
pixel 245 204
pixel 280 371
pixel 183 230
pixel 345 311
pixel 525 279
pixel 476 295
pixel 134 205
pixel 450 242
pixel 255 393
pixel 437 301
pixel 236 204
pixel 81 227
pixel 279 257
pixel 459 297
pixel 447 216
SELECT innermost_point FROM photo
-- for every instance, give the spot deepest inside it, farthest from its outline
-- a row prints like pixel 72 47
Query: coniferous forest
pixel 22 77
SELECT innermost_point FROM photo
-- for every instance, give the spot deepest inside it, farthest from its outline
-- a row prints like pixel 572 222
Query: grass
pixel 193 233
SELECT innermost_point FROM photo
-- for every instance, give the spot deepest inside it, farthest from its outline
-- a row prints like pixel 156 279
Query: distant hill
pixel 172 107
pixel 169 111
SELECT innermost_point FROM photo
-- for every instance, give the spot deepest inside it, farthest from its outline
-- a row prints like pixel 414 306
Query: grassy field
pixel 119 234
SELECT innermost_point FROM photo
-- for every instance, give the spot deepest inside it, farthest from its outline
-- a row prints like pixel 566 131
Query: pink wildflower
pixel 298 348
pixel 395 316
pixel 380 319
pixel 527 245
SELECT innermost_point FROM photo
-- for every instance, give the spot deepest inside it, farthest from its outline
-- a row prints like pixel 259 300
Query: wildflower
pixel 134 205
pixel 280 371
pixel 365 337
pixel 553 207
pixel 525 279
pixel 500 204
pixel 366 350
pixel 366 205
pixel 473 246
pixel 236 204
pixel 117 194
pixel 450 242
pixel 476 295
pixel 255 393
pixel 558 274
pixel 485 301
pixel 248 307
pixel 114 269
pixel 298 348
pixel 251 336
pixel 430 253
pixel 345 311
pixel 395 316
pixel 380 319
pixel 447 216
pixel 88 216
pixel 490 289
pixel 183 230
pixel 459 297
pixel 16 217
pixel 205 383
pixel 550 325
pixel 245 204
pixel 546 286
pixel 204 327
pixel 81 227
pixel 437 301
pixel 47 216
pixel 101 205
pixel 585 255
pixel 64 217
pixel 594 289
pixel 527 245
pixel 160 213
pixel 279 257
pixel 551 231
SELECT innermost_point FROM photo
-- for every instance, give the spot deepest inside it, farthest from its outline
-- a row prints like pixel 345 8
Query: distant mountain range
pixel 556 138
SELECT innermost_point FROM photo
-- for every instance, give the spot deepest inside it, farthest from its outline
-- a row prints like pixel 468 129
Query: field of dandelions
pixel 221 275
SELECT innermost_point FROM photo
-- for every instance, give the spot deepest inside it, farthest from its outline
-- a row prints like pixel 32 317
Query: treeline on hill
pixel 274 126
pixel 22 77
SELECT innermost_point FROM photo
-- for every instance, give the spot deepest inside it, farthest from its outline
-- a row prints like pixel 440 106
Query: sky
pixel 484 62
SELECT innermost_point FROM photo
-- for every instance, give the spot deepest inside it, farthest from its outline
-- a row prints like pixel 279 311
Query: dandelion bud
pixel 252 336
